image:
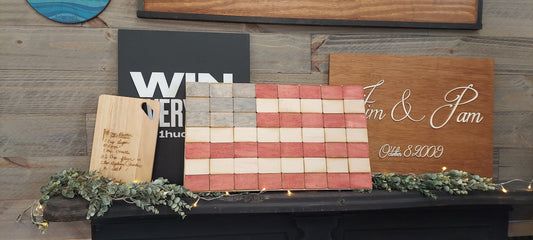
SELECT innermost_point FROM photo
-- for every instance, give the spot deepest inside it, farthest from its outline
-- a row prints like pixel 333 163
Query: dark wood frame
pixel 319 22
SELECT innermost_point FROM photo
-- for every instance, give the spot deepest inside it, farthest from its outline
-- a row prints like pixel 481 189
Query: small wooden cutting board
pixel 125 138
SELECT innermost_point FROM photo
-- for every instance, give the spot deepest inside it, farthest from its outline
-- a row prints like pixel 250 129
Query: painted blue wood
pixel 69 11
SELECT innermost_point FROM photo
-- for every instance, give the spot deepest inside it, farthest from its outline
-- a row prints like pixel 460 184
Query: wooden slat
pixel 21 180
pixel 23 177
pixel 385 10
pixel 280 53
pixel 10 209
pixel 513 93
pixel 95 50
pixel 513 130
pixel 59 48
pixel 510 18
pixel 516 163
pixel 53 91
pixel 9 229
pixel 511 55
pixel 80 230
pixel 42 135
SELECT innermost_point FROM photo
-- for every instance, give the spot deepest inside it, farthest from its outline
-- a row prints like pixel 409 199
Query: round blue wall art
pixel 69 11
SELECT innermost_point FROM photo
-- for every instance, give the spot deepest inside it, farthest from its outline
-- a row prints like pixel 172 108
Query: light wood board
pixel 445 118
pixel 125 138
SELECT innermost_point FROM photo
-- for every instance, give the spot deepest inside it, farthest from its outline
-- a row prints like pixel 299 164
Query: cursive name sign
pixel 423 113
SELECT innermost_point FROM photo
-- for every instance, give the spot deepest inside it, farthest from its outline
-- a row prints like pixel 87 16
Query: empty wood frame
pixel 459 14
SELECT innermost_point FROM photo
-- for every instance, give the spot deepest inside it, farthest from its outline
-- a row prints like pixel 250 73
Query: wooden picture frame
pixel 458 14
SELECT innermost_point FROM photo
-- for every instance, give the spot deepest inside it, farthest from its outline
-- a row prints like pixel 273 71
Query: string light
pixel 289 193
pixel 227 194
pixel 504 190
pixel 36 214
pixel 195 204
pixel 515 180
pixel 443 168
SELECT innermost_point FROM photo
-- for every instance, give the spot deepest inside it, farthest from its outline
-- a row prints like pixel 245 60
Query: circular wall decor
pixel 69 11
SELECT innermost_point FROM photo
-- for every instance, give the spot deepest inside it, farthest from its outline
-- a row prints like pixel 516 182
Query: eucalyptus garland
pixel 452 182
pixel 100 191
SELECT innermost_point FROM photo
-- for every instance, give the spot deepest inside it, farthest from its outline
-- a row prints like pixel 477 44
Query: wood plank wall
pixel 51 75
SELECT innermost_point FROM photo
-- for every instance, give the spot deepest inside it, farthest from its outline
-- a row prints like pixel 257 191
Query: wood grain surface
pixel 44 135
pixel 411 106
pixel 52 73
pixel 21 179
pixel 512 56
pixel 456 11
pixel 124 138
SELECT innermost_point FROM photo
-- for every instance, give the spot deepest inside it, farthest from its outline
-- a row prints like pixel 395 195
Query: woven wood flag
pixel 253 136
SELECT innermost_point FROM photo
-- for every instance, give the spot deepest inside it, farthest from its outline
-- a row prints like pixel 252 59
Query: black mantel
pixel 321 215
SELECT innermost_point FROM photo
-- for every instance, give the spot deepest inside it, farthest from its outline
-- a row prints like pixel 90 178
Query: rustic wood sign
pixel 124 138
pixel 274 137
pixel 464 14
pixel 423 112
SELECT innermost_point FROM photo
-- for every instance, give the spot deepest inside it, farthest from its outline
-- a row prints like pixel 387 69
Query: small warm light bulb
pixel 39 209
pixel 227 193
pixel 529 187
pixel 443 168
pixel 195 204
pixel 504 190
pixel 289 193
pixel 135 181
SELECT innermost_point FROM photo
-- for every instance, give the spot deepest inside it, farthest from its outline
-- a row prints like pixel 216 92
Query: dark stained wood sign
pixel 461 14
pixel 423 113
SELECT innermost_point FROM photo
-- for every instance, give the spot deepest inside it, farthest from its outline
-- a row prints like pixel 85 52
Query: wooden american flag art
pixel 245 137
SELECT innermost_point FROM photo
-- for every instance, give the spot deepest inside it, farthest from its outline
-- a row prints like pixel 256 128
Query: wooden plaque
pixel 275 137
pixel 391 13
pixel 423 112
pixel 125 137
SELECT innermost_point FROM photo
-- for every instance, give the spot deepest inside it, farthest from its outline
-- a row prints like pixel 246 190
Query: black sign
pixel 157 65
